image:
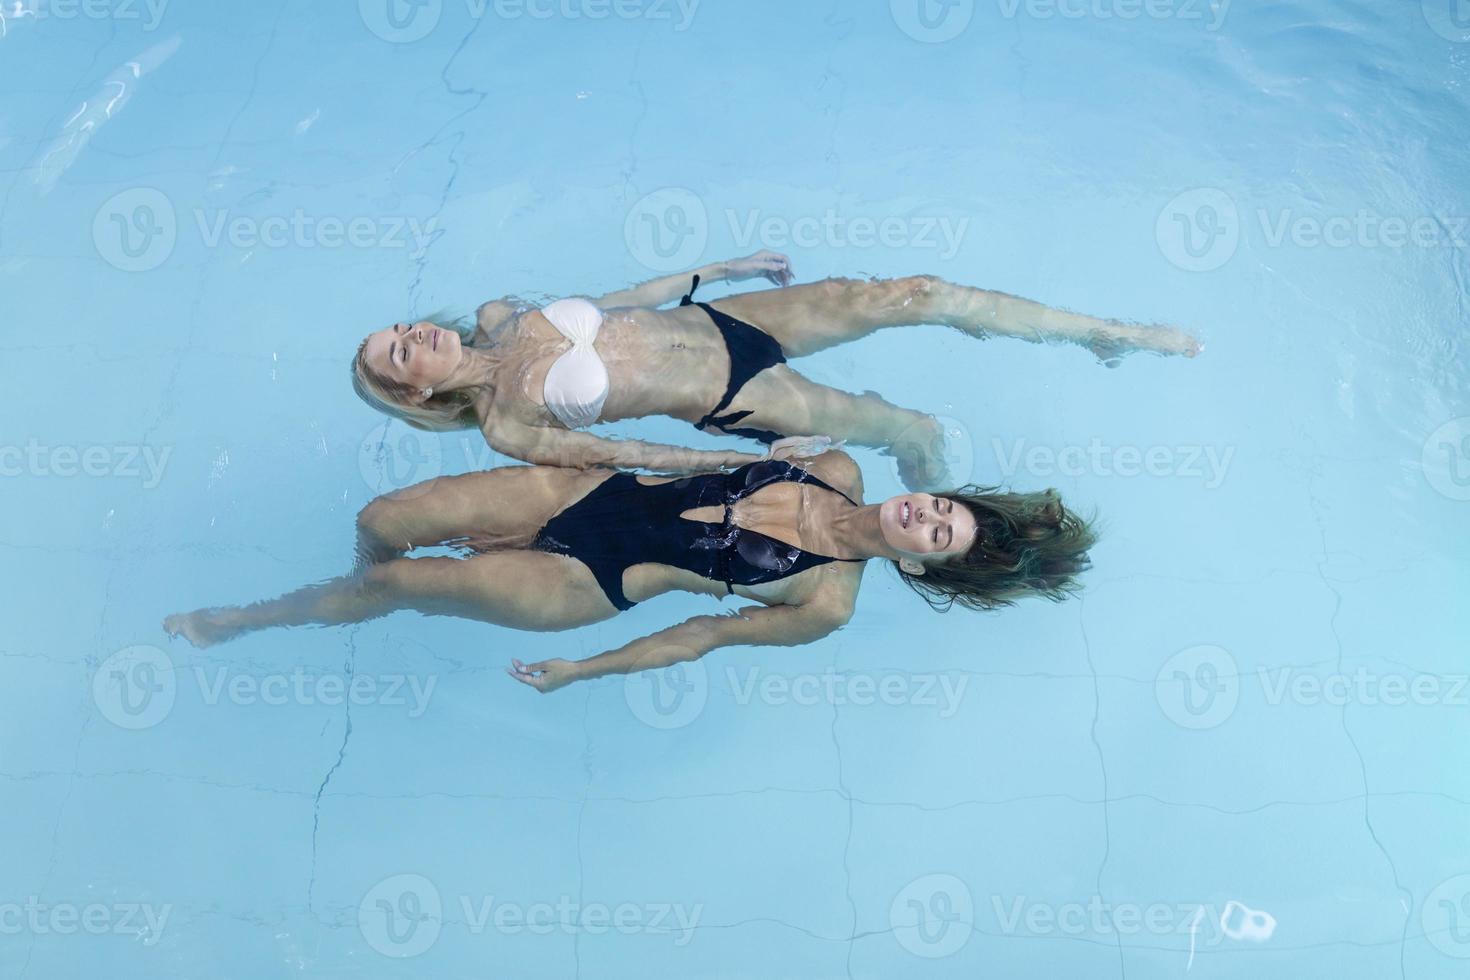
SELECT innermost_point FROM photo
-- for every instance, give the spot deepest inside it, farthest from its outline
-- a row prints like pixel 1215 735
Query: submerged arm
pixel 751 626
pixel 548 446
pixel 665 289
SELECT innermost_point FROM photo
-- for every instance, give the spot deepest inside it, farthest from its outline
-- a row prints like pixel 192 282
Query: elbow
pixel 824 625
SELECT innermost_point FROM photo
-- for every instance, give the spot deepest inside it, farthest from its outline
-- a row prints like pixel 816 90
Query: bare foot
pixel 203 627
pixel 1112 345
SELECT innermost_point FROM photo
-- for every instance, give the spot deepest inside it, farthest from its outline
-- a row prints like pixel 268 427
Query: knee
pixel 379 589
pixel 916 287
pixel 373 517
pixel 378 520
pixel 834 289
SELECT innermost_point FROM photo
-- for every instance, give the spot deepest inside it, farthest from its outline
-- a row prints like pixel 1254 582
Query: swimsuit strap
pixel 784 476
pixel 688 299
pixel 807 476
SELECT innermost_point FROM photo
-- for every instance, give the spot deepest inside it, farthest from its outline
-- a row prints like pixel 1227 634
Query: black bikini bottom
pixel 752 350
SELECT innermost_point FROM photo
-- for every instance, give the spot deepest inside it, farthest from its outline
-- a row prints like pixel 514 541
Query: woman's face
pixel 419 355
pixel 924 526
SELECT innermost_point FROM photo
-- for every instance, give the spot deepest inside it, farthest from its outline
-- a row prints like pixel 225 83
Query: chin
pixel 889 523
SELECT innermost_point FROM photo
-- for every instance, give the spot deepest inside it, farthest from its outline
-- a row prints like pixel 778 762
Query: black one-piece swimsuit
pixel 623 523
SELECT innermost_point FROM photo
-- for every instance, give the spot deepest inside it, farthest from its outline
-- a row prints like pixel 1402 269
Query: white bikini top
pixel 577 384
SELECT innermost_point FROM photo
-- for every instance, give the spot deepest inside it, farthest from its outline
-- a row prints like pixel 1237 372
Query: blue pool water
pixel 1241 753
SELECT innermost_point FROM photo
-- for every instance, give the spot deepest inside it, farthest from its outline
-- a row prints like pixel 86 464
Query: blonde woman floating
pixel 555 548
pixel 528 377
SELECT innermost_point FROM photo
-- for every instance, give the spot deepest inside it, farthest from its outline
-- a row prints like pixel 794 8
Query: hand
pixel 546 676
pixel 801 447
pixel 773 265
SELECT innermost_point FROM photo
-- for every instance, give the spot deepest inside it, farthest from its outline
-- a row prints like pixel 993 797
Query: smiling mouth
pixel 906 510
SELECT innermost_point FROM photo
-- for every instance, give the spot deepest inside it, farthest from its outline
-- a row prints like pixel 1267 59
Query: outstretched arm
pixel 786 626
pixel 665 289
pixel 549 446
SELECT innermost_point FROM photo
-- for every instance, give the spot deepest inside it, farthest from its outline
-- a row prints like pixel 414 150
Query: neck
pixel 857 533
pixel 476 369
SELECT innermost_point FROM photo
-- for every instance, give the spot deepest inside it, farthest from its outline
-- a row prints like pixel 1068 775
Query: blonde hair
pixel 441 412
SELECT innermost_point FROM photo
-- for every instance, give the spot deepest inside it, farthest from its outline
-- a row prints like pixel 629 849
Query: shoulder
pixel 492 316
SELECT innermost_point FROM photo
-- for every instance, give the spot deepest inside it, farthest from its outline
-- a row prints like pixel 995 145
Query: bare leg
pixel 809 318
pixel 785 401
pixel 501 508
pixel 525 590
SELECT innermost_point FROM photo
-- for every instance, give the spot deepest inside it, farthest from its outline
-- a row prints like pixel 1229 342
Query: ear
pixel 417 396
pixel 911 566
